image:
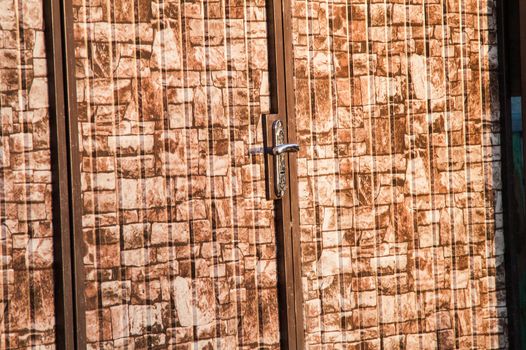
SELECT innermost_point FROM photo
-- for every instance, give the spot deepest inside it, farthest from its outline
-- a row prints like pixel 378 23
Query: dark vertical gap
pixel 293 221
pixel 64 332
pixel 68 273
pixel 510 79
pixel 506 26
pixel 280 257
pixel 273 41
pixel 276 69
pixel 73 171
pixel 272 64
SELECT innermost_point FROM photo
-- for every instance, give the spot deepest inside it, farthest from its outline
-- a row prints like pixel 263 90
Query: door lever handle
pixel 285 148
pixel 280 165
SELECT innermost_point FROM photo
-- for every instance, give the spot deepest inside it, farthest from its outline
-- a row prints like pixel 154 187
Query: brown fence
pixel 137 204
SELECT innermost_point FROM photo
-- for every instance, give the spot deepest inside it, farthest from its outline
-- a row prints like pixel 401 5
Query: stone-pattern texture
pixel 180 246
pixel 400 192
pixel 26 246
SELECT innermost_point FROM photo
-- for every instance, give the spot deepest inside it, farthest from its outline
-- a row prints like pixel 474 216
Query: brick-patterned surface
pixel 179 238
pixel 400 191
pixel 26 245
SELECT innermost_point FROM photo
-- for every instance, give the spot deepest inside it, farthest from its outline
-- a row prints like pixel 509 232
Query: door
pixel 399 176
pixel 161 156
pixel 182 244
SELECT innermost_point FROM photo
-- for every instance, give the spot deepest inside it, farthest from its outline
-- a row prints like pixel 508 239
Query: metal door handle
pixel 285 148
pixel 280 165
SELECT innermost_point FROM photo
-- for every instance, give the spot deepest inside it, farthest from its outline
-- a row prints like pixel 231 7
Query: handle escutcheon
pixel 279 149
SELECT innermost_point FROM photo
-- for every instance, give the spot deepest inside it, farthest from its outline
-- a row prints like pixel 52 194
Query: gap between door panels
pixel 287 209
pixel 66 215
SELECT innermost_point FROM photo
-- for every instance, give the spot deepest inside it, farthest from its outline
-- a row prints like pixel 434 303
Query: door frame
pixel 281 61
pixel 68 266
pixel 66 194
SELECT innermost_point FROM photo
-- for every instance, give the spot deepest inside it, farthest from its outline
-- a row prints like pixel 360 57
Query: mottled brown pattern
pixel 180 247
pixel 400 192
pixel 26 246
pixel 399 175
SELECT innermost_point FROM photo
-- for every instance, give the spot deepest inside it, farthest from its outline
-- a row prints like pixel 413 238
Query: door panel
pixel 399 174
pixel 27 319
pixel 179 238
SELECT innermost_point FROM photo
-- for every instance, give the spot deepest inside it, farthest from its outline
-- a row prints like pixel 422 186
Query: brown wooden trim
pixel 285 268
pixel 70 299
pixel 60 192
pixel 74 172
pixel 286 209
pixel 294 211
pixel 69 272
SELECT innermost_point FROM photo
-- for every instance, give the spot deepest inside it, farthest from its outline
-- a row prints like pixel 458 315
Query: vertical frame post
pixel 69 274
pixel 286 208
pixel 67 229
pixel 294 212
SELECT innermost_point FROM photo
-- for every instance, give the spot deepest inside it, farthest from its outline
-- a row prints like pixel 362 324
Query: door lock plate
pixel 280 168
pixel 275 158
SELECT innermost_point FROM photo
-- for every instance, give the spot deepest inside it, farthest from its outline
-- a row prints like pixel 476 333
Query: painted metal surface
pixel 397 116
pixel 395 108
pixel 180 240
